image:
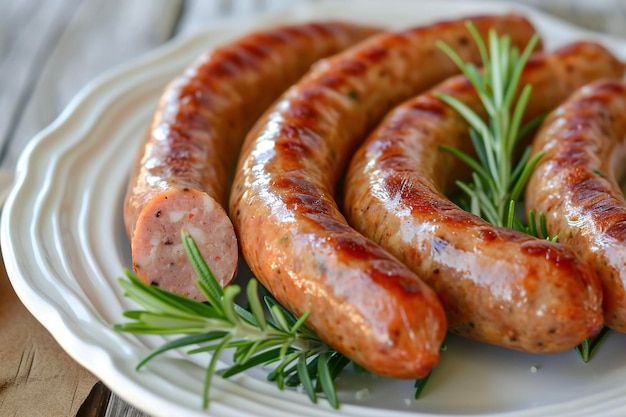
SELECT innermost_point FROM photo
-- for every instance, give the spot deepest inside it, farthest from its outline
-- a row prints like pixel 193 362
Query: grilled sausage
pixel 181 174
pixel 576 185
pixel 497 285
pixel 361 300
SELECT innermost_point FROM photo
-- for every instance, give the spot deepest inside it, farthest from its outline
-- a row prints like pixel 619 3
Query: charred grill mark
pixel 618 229
pixel 293 150
pixel 403 287
pixel 351 68
pixel 375 54
pixel 352 246
pixel 429 105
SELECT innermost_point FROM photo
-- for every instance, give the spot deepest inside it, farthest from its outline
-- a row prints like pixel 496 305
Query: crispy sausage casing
pixel 362 301
pixel 180 177
pixel 576 185
pixel 497 285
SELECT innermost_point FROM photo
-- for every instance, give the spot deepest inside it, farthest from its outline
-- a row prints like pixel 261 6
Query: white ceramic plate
pixel 64 247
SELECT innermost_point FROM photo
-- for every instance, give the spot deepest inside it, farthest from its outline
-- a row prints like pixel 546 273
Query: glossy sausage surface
pixel 576 185
pixel 361 300
pixel 181 174
pixel 497 285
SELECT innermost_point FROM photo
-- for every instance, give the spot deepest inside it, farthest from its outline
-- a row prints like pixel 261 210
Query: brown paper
pixel 37 378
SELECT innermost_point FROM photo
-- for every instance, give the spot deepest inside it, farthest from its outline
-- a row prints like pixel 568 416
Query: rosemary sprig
pixel 282 339
pixel 498 183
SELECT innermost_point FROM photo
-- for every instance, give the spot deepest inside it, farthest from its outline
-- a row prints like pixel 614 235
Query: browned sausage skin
pixel 576 185
pixel 362 301
pixel 497 285
pixel 180 176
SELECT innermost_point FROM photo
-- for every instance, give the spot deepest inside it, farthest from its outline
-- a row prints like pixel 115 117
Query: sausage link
pixel 497 285
pixel 181 174
pixel 576 185
pixel 361 300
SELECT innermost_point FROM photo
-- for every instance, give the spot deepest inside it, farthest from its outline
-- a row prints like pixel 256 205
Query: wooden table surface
pixel 51 49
